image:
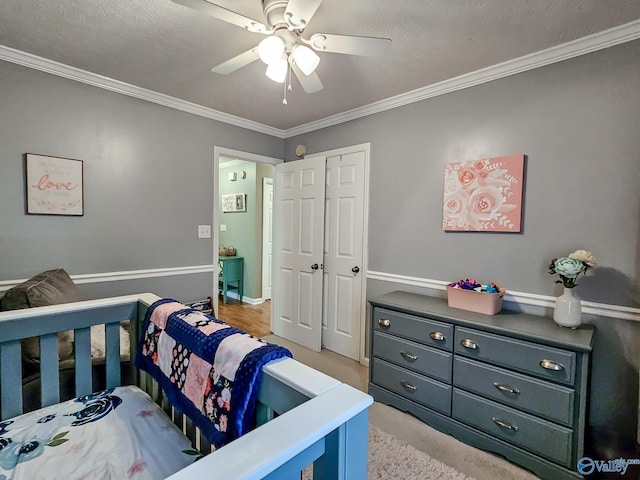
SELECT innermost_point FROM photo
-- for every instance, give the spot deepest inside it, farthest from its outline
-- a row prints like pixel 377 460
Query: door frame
pixel 366 147
pixel 215 217
pixel 266 181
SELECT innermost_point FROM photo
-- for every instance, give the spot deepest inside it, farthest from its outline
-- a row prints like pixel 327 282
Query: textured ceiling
pixel 170 49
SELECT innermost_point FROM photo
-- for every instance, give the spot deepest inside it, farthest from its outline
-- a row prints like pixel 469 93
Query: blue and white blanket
pixel 208 369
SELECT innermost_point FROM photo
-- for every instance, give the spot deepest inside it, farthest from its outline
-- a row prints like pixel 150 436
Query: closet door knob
pixel 355 269
pixel 314 266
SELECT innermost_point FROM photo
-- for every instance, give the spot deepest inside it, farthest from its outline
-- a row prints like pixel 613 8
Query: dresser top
pixel 516 324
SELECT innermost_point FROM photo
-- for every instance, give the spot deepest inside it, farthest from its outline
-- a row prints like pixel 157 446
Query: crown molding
pixel 591 43
pixel 49 66
pixel 597 41
pixel 591 308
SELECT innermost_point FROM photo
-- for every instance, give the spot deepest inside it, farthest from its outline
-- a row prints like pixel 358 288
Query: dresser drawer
pixel 426 360
pixel 414 386
pixel 538 397
pixel 539 360
pixel 427 331
pixel 531 433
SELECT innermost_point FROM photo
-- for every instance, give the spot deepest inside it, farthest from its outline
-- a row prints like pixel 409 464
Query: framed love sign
pixel 54 185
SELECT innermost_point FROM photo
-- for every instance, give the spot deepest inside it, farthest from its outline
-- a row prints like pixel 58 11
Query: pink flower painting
pixel 483 195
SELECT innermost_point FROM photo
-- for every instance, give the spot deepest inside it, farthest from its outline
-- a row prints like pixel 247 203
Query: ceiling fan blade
pixel 349 44
pixel 237 62
pixel 299 12
pixel 310 83
pixel 222 13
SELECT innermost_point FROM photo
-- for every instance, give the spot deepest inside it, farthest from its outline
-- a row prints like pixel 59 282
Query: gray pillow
pixel 47 288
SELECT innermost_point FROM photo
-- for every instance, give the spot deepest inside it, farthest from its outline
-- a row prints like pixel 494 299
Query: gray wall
pixel 578 122
pixel 148 183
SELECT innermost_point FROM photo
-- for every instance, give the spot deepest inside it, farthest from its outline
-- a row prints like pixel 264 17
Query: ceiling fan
pixel 284 49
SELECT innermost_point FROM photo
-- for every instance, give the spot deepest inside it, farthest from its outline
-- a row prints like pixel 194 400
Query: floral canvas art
pixel 483 195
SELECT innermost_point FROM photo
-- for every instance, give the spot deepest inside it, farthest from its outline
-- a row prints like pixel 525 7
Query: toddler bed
pixel 301 417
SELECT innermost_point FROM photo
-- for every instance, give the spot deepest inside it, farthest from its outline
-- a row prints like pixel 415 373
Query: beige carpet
pixel 391 459
pixel 442 456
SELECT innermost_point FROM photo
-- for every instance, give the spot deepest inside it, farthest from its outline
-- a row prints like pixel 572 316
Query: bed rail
pixel 304 416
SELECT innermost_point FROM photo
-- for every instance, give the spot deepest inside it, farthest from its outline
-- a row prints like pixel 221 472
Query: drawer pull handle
pixel 505 425
pixel 470 344
pixel 551 365
pixel 383 322
pixel 438 336
pixel 408 386
pixel 409 356
pixel 504 389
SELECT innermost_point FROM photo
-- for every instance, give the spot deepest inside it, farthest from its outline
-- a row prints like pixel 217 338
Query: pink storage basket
pixel 480 302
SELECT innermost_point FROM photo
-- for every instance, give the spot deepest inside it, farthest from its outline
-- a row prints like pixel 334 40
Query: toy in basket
pixel 475 297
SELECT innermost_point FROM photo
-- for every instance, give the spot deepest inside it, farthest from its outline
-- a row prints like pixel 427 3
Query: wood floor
pixel 253 319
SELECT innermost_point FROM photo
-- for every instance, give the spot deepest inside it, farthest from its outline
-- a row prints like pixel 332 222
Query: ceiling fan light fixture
pixel 271 49
pixel 277 70
pixel 306 59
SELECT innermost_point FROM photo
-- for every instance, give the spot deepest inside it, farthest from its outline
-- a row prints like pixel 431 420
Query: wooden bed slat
pixel 49 370
pixel 291 470
pixel 112 351
pixel 82 345
pixel 11 375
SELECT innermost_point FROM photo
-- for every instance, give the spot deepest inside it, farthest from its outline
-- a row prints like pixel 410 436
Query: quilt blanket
pixel 208 369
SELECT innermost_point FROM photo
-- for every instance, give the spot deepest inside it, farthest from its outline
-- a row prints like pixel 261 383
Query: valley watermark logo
pixel 587 466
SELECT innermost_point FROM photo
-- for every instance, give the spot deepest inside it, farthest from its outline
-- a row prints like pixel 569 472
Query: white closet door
pixel 298 250
pixel 343 254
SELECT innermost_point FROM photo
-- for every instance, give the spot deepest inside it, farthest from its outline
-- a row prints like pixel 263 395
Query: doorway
pixel 238 225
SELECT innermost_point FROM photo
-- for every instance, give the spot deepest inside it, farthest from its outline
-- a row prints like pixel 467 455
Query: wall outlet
pixel 223 227
pixel 204 231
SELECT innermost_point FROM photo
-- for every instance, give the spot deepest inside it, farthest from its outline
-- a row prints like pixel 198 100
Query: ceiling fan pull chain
pixel 284 88
pixel 287 86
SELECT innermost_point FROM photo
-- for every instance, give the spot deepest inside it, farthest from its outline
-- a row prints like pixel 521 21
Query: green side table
pixel 231 276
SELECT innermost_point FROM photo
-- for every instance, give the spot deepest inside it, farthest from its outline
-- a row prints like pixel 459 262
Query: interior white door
pixel 298 250
pixel 343 254
pixel 267 237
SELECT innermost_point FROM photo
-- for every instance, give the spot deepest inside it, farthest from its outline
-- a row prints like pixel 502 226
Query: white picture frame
pixel 234 202
pixel 54 185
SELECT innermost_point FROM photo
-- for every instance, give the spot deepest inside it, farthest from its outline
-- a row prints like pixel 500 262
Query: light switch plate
pixel 204 231
pixel 223 227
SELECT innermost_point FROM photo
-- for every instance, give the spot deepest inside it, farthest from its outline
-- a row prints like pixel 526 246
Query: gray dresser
pixel 512 383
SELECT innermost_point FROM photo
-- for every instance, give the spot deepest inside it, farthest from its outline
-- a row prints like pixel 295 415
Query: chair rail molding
pixel 124 275
pixel 523 298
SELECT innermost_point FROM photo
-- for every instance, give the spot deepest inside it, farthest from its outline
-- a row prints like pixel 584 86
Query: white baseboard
pixel 245 299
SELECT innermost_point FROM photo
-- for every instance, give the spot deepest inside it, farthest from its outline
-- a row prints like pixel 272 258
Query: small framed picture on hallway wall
pixel 234 202
pixel 54 185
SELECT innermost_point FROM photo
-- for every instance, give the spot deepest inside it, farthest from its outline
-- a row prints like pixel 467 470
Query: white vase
pixel 568 311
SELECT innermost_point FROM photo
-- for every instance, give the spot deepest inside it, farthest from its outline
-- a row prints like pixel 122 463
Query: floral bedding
pixel 115 434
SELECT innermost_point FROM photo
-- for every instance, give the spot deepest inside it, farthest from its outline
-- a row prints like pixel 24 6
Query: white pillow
pixel 97 342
